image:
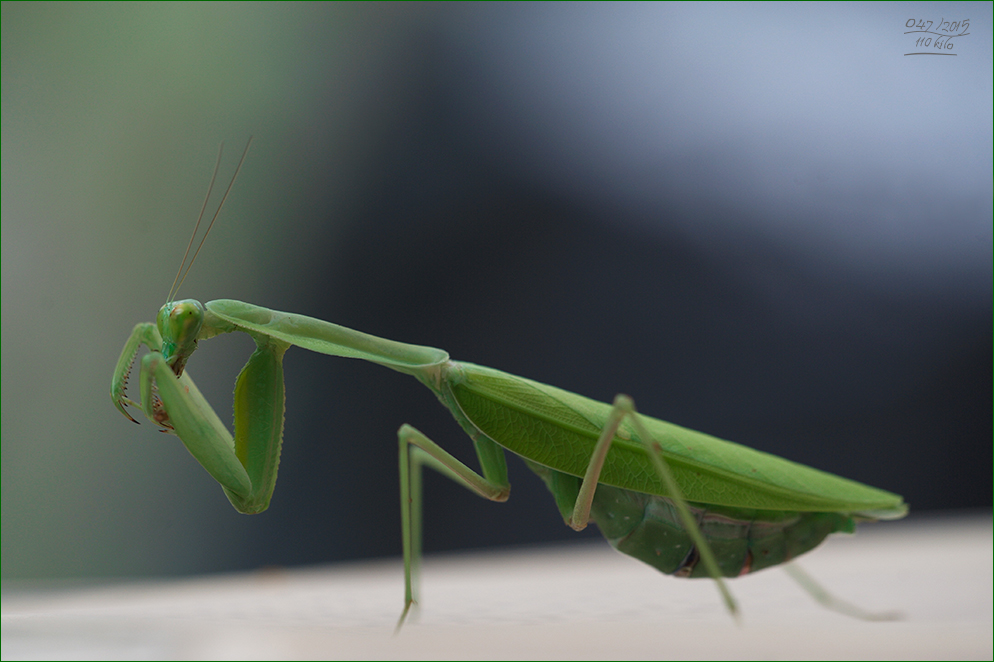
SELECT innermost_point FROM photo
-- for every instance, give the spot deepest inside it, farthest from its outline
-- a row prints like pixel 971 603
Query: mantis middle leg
pixel 417 451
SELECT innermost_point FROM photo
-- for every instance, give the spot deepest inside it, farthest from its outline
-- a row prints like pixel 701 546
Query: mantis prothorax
pixel 686 503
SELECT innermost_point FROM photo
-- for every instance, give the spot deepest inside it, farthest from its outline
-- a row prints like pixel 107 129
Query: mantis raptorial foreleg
pixel 146 334
pixel 245 465
pixel 195 423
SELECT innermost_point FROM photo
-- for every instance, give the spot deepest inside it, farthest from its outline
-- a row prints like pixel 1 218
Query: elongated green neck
pixel 225 315
pixel 179 324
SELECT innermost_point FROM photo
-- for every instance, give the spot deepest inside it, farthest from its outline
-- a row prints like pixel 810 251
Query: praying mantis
pixel 689 504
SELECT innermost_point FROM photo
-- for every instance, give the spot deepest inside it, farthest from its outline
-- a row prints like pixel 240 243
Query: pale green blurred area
pixel 112 114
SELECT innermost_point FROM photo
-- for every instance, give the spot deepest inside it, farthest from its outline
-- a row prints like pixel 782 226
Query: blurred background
pixel 765 222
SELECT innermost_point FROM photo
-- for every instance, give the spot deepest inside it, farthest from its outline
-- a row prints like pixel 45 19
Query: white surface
pixel 582 601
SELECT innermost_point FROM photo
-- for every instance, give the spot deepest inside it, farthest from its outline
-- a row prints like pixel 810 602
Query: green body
pixel 756 510
pixel 685 502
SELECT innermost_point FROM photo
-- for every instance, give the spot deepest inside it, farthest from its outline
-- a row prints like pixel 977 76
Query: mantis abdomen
pixel 648 528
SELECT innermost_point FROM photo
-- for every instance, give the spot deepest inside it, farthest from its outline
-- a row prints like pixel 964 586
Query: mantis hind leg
pixel 417 451
pixel 624 407
pixel 829 601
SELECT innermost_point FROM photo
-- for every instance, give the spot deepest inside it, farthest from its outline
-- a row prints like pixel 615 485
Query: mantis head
pixel 179 324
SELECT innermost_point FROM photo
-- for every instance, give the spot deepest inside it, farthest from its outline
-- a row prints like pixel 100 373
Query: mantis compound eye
pixel 182 320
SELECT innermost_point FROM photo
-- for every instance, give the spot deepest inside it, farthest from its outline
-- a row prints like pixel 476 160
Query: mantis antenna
pixel 175 288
